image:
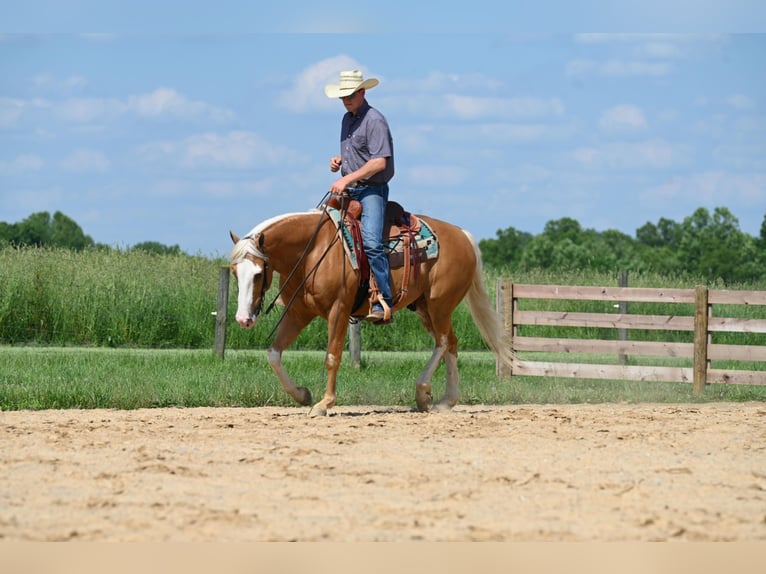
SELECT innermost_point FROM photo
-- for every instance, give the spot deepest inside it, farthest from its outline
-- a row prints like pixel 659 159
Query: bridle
pixel 264 286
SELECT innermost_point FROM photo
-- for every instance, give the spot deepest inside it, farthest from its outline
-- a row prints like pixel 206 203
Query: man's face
pixel 353 102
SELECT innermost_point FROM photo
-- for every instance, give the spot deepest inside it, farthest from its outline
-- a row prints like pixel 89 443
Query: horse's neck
pixel 285 240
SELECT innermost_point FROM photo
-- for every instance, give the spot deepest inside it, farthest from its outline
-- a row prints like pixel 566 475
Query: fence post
pixel 700 338
pixel 221 310
pixel 622 333
pixel 504 306
pixel 355 344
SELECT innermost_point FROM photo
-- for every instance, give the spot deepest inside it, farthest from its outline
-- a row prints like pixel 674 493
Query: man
pixel 366 163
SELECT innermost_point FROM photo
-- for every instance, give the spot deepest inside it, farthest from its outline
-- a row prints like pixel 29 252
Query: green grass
pixel 115 329
pixel 136 299
pixel 63 378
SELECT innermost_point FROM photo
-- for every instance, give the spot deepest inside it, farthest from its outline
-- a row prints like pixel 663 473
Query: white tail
pixel 487 320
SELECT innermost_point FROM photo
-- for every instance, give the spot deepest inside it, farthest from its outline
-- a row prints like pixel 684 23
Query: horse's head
pixel 250 267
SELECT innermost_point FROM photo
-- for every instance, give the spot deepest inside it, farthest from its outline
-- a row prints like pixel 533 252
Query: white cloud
pixel 741 102
pixel 86 161
pixel 21 164
pixel 617 68
pixel 518 132
pixel 713 187
pixel 161 103
pixel 50 83
pixel 307 90
pixel 164 102
pixel 622 118
pixel 234 150
pixel 659 49
pixel 12 109
pixel 430 175
pixel 472 107
pixel 653 154
pixel 87 110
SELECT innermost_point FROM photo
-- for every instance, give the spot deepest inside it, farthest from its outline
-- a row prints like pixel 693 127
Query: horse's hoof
pixel 317 411
pixel 304 397
pixel 443 407
pixel 424 402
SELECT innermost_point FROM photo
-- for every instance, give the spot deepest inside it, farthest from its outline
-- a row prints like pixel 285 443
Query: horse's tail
pixel 484 315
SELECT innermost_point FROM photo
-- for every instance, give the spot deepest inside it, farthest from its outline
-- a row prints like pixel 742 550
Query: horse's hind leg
pixel 450 397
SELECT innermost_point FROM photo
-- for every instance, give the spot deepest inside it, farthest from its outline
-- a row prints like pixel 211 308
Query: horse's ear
pixel 234 238
pixel 261 240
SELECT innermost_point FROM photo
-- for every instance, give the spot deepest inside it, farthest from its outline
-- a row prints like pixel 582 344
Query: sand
pixel 608 472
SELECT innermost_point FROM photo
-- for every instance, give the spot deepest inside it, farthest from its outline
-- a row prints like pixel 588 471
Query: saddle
pixel 400 232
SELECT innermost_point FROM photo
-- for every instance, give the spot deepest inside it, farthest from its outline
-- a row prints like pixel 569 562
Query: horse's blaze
pixel 246 299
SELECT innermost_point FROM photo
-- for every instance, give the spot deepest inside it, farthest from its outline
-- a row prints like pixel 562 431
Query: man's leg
pixel 374 200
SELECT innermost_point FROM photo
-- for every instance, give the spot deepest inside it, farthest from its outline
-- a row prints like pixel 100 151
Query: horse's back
pixel 455 244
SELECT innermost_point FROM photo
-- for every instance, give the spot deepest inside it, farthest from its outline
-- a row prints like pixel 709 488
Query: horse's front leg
pixel 337 325
pixel 287 333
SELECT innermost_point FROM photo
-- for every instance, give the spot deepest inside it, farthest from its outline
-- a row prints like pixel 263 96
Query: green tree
pixel 156 248
pixel 34 230
pixel 506 249
pixel 714 247
pixel 665 234
pixel 7 233
pixel 40 229
pixel 66 233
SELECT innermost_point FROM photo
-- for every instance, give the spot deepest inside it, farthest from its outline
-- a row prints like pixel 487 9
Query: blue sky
pixel 188 128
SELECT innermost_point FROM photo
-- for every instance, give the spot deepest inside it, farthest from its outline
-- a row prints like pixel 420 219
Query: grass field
pixel 114 329
pixel 58 378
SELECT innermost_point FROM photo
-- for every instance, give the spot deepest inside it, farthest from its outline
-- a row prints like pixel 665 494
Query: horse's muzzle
pixel 247 322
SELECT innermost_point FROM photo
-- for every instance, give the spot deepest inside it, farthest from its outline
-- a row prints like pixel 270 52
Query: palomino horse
pixel 316 280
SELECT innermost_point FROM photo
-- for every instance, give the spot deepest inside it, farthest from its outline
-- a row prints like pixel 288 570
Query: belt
pixel 367 184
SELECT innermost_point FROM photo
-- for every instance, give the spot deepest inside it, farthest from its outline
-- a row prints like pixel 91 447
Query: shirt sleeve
pixel 379 139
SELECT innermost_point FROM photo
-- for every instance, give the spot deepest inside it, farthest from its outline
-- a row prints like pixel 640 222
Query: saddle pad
pixel 426 240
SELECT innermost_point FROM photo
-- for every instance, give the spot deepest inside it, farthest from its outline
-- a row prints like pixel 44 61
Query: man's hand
pixel 335 163
pixel 338 187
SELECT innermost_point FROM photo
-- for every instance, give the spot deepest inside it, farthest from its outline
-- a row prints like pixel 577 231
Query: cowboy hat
pixel 349 83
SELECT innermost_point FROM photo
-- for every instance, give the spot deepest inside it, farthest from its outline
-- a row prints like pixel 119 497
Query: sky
pixel 200 119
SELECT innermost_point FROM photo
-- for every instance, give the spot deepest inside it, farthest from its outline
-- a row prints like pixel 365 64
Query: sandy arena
pixel 511 473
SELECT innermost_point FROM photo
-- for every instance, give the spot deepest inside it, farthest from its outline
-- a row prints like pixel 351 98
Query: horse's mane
pixel 246 247
pixel 243 248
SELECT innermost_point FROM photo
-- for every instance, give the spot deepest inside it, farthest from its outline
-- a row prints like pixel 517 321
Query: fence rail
pixel 703 323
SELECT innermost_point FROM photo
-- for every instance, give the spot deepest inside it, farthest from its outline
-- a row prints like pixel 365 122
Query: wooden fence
pixel 702 351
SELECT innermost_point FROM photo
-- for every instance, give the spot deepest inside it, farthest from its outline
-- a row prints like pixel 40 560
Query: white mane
pixel 246 247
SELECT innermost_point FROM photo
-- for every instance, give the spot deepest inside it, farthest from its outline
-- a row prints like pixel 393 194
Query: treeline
pixel 42 230
pixel 705 245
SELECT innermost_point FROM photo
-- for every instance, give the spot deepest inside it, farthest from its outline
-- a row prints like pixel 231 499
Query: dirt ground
pixel 511 473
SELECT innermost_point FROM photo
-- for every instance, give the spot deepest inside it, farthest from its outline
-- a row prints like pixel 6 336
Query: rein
pixel 292 272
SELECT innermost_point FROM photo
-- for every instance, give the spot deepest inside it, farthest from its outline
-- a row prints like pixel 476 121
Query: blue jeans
pixel 374 199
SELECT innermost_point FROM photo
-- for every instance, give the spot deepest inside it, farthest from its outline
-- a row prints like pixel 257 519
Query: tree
pixel 506 250
pixel 714 247
pixel 66 233
pixel 34 230
pixel 39 230
pixel 156 248
pixel 564 228
pixel 665 233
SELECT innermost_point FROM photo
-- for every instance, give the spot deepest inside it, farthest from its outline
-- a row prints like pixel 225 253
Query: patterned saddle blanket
pixel 402 227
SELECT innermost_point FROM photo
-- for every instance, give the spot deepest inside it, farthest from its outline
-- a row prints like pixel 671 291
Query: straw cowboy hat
pixel 349 83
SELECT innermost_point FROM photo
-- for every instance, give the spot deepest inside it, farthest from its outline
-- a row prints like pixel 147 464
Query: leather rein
pixel 264 287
